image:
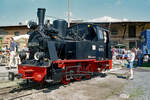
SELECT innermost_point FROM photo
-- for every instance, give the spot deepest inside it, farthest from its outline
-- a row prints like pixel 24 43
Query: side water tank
pixel 61 26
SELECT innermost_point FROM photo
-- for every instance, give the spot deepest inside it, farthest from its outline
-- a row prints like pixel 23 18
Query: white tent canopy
pixel 26 36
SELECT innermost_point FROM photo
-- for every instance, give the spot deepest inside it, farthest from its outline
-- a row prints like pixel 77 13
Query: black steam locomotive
pixel 59 54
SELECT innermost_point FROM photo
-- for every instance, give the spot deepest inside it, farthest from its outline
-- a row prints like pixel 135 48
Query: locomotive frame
pixel 67 70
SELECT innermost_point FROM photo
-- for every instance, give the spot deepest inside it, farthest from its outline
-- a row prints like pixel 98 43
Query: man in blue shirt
pixel 13 53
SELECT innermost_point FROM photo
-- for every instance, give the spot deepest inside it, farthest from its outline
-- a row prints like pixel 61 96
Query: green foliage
pixel 146 64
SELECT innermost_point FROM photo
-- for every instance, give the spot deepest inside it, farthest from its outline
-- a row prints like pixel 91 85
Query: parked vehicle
pixel 145 44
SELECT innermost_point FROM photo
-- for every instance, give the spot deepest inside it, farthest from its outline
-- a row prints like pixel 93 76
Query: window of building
pixel 2 31
pixel 132 31
pixel 114 31
pixel 1 43
pixel 16 33
pixel 132 45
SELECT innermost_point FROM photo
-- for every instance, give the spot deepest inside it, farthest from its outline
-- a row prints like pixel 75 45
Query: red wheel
pixel 78 77
pixel 64 79
pixel 88 76
pixel 88 70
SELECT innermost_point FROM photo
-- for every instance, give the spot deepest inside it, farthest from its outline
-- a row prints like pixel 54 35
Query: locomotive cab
pixel 92 40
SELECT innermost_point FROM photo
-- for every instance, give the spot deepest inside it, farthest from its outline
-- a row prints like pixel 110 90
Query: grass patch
pixel 136 93
pixel 114 91
pixel 146 65
pixel 146 68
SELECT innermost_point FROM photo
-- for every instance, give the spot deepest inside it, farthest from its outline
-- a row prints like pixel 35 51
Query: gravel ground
pixel 108 88
pixel 115 86
pixel 139 88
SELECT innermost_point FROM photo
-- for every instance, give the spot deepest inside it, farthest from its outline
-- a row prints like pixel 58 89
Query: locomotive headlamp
pixel 54 37
pixel 38 55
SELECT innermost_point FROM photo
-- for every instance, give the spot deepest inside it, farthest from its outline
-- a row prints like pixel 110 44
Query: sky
pixel 14 11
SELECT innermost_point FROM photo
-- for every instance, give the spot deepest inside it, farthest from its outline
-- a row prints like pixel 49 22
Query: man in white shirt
pixel 131 61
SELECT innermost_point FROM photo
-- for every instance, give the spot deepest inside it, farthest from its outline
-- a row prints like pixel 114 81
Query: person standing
pixel 140 58
pixel 105 37
pixel 131 61
pixel 13 53
pixel 3 58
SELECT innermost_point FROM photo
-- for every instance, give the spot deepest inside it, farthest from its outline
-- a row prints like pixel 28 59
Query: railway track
pixel 15 92
pixel 6 90
pixel 23 94
pixel 24 90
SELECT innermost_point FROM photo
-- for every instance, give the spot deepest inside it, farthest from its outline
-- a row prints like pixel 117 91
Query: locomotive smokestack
pixel 41 15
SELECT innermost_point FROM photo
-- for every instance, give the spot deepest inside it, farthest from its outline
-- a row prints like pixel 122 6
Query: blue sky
pixel 14 11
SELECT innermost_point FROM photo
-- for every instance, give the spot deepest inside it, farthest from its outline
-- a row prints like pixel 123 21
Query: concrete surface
pixel 139 88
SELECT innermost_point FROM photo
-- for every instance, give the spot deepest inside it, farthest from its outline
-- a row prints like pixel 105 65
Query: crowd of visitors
pixel 126 52
pixel 134 58
pixel 11 54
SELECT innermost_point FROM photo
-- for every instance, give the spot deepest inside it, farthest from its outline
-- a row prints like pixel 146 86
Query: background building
pixel 127 32
pixel 10 31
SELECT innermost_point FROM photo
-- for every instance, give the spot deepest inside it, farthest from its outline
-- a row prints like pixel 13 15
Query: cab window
pixel 100 35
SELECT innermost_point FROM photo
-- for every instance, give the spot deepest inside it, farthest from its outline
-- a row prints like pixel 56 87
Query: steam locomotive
pixel 59 54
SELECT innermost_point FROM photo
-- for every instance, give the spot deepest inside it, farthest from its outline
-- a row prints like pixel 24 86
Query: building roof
pixel 121 22
pixel 13 26
pixel 117 22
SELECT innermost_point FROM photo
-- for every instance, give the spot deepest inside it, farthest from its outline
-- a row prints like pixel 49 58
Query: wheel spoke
pixel 64 79
pixel 88 70
pixel 78 77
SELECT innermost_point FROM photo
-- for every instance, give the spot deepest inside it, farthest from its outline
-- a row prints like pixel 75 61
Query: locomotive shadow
pixel 122 77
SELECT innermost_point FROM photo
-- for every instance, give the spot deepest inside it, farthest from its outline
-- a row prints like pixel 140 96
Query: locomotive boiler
pixel 59 54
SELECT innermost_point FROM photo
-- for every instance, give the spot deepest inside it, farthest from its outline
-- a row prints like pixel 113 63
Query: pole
pixel 68 13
